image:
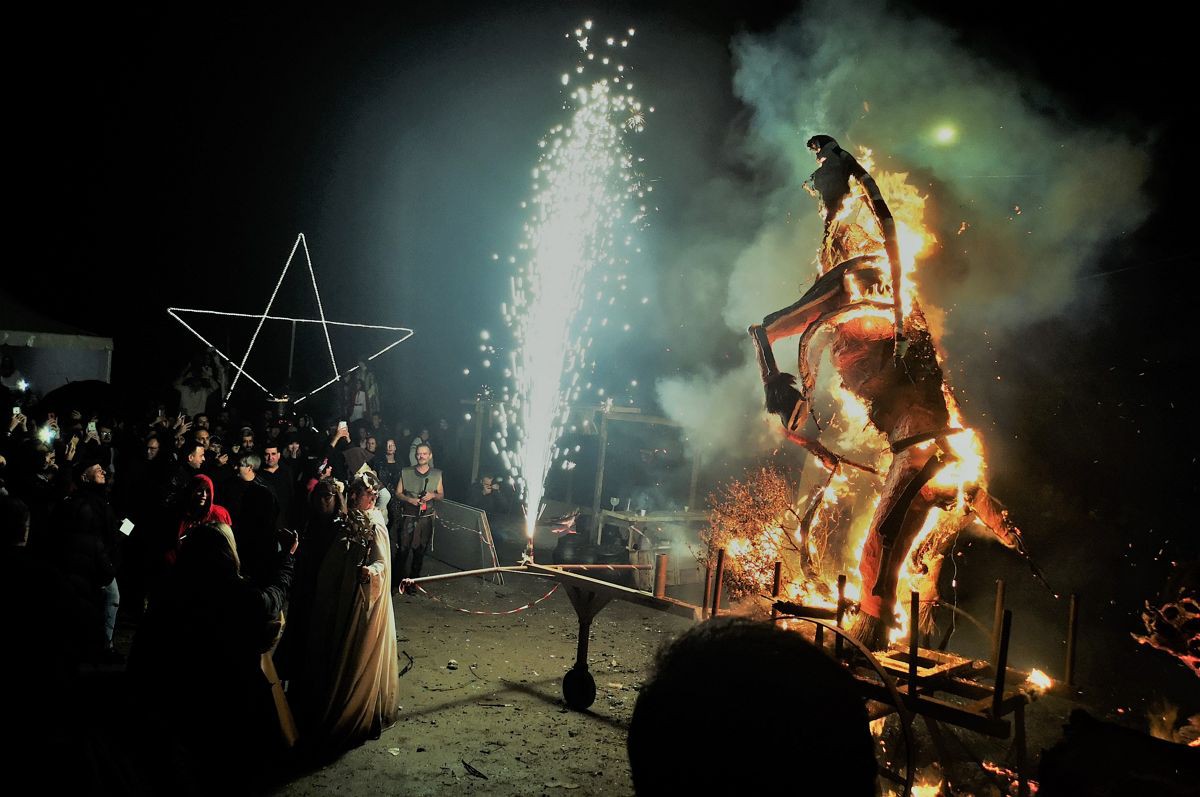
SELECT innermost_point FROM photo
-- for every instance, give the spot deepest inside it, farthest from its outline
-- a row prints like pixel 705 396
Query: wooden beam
pixel 997 621
pixel 934 708
pixel 696 458
pixel 656 420
pixel 598 493
pixel 478 442
pixel 610 590
pixel 914 650
pixel 718 577
pixel 660 575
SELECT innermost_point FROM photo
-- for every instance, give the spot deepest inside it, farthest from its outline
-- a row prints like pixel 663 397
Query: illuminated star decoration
pixel 266 316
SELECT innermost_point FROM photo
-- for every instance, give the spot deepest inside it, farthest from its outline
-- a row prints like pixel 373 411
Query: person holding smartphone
pixel 339 441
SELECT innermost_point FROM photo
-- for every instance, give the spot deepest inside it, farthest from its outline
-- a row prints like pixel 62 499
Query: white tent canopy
pixel 49 353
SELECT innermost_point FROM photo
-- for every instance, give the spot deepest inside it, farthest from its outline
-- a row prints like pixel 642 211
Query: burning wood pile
pixel 906 474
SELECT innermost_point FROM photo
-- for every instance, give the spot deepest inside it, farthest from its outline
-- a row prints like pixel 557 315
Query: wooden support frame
pixel 941 687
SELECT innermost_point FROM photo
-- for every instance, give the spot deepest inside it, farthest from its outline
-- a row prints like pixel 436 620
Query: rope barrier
pixel 478 533
pixel 517 610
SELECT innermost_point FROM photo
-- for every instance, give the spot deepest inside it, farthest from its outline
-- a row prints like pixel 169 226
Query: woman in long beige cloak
pixel 353 685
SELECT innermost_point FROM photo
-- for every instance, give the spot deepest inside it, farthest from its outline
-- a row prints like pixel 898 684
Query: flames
pixel 1009 777
pixel 1038 682
pixel 841 503
pixel 844 506
pixel 908 210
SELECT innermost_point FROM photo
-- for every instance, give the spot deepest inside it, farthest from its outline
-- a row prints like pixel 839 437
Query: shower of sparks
pixel 584 208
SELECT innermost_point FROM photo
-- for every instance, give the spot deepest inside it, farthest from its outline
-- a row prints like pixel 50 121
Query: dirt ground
pixel 483 710
pixel 482 705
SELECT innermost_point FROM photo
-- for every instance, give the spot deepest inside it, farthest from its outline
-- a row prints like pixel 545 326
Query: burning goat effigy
pixel 925 477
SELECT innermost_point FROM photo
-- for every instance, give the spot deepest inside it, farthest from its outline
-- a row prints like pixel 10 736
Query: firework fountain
pixel 584 209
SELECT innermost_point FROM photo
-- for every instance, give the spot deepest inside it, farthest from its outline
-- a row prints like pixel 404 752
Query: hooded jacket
pixel 212 512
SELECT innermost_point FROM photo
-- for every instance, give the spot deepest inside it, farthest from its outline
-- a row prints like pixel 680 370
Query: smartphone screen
pixel 91 427
pixel 341 425
pixel 16 410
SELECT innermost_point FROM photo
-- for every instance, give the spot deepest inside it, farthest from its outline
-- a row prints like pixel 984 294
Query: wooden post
pixel 599 491
pixel 695 479
pixel 718 576
pixel 660 575
pixel 914 607
pixel 708 579
pixel 1022 752
pixel 841 612
pixel 997 619
pixel 776 586
pixel 1001 663
pixel 478 440
pixel 1072 630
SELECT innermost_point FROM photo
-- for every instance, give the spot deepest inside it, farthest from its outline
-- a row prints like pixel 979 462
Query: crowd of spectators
pixel 251 559
pixel 200 530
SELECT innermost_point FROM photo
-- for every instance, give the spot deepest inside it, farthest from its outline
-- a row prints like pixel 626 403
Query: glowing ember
pixel 584 189
pixel 1039 680
pixel 1010 778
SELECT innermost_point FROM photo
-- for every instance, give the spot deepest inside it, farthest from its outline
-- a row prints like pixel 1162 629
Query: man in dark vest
pixel 420 486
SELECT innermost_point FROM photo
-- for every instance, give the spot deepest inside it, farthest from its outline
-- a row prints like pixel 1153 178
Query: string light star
pixel 240 368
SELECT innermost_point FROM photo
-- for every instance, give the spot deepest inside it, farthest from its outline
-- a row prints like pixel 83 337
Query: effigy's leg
pixel 925 565
pixel 782 397
pixel 897 521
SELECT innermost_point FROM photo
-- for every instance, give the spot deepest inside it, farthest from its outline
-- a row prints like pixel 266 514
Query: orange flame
pixel 838 513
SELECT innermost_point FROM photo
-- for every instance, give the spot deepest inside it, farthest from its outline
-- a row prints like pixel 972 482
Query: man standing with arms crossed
pixel 419 487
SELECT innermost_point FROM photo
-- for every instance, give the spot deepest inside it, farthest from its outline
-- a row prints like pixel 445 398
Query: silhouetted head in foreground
pixel 736 706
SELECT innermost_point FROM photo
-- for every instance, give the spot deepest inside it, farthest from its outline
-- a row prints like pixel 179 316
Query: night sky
pixel 171 159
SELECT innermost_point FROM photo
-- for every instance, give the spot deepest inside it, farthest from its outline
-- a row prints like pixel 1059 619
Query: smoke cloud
pixel 1022 198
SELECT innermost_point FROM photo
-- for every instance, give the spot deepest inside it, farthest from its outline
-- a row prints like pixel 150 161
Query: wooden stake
pixel 997 619
pixel 841 612
pixel 1001 663
pixel 718 576
pixel 776 586
pixel 694 483
pixel 914 606
pixel 660 575
pixel 478 442
pixel 598 490
pixel 708 580
pixel 1022 753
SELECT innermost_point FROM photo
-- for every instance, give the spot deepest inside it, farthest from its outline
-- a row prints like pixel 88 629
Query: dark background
pixel 170 158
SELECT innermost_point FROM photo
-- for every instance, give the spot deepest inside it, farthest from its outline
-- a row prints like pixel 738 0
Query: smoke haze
pixel 1022 199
